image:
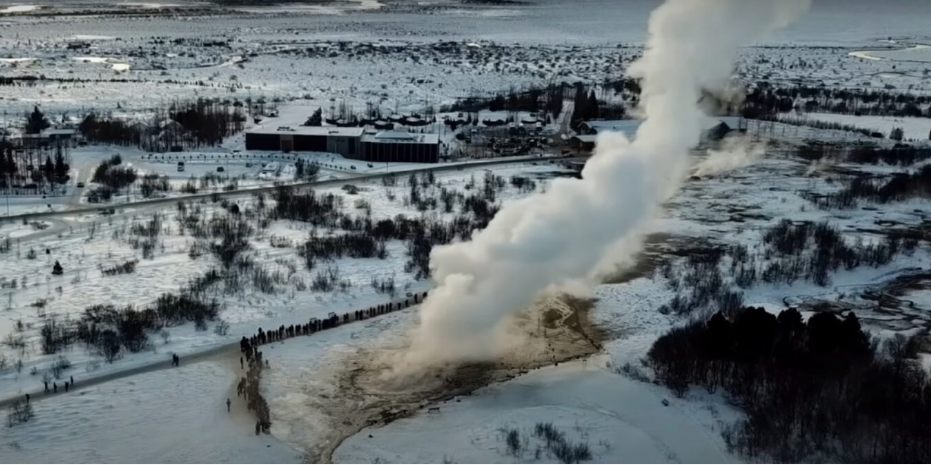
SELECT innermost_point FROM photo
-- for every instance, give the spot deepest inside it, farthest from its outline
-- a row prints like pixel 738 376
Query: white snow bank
pixel 623 421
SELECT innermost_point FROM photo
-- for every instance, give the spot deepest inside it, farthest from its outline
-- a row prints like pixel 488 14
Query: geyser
pixel 563 235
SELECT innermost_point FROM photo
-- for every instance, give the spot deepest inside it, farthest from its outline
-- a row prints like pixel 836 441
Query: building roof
pixel 732 122
pixel 627 126
pixel 309 131
pixel 400 137
pixel 396 135
pixel 586 138
pixel 60 132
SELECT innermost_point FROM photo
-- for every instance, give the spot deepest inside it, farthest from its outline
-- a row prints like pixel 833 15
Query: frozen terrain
pixel 184 408
pixel 131 60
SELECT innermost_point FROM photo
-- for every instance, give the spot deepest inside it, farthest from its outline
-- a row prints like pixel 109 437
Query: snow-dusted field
pixel 592 401
pixel 176 416
pixel 129 59
pixel 298 52
pixel 84 244
pixel 623 420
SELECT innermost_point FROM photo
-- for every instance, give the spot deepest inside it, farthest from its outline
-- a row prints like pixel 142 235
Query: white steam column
pixel 562 235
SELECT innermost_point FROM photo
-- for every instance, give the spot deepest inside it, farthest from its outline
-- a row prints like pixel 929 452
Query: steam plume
pixel 562 235
pixel 736 152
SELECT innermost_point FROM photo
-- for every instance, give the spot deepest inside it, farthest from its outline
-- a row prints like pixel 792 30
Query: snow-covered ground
pixel 623 421
pixel 176 416
pixel 84 244
pixel 914 129
pixel 398 57
pixel 594 399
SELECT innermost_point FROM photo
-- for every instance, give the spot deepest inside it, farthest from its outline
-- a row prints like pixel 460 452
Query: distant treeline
pixel 767 99
pixel 547 99
pixel 181 126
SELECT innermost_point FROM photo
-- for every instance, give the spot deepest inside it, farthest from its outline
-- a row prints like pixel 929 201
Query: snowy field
pixel 185 408
pixel 298 53
pixel 913 129
pixel 328 399
pixel 618 416
pixel 582 398
pixel 86 244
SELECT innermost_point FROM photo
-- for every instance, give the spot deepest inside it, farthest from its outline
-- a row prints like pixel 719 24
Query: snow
pixel 82 254
pixel 622 420
pixel 914 128
pixel 19 9
pixel 173 416
pixel 313 55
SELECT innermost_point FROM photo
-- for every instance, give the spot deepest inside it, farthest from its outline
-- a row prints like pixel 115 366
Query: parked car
pixel 219 169
pixel 80 185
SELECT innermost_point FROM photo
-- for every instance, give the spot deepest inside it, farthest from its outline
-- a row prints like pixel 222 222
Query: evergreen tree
pixel 48 169
pixel 10 162
pixel 36 122
pixel 61 169
pixel 579 112
pixel 299 169
pixel 897 134
pixel 5 169
pixel 591 109
pixel 316 119
pixel 57 270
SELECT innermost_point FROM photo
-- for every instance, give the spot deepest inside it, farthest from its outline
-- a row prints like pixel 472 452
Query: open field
pixel 116 259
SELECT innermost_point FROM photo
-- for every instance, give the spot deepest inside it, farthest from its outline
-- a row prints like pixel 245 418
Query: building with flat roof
pixel 355 143
pixel 344 141
pixel 400 147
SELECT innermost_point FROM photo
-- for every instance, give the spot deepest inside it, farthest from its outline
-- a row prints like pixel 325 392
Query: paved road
pixel 444 167
pixel 227 349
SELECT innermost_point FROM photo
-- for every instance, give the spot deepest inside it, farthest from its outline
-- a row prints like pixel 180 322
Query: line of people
pixel 249 345
pixel 68 384
pixel 248 386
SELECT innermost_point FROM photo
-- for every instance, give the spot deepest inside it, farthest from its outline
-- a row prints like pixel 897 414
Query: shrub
pixel 513 442
pixel 108 345
pixel 124 268
pixel 222 328
pixel 20 412
pixel 55 335
pixel 59 366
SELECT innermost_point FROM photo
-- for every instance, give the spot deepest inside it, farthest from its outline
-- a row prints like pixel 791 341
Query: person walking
pixel 227 404
pixel 54 387
pixel 27 399
pixel 46 387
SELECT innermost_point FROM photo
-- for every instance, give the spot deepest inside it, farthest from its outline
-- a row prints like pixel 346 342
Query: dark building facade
pixel 344 141
pixel 400 147
pixel 381 147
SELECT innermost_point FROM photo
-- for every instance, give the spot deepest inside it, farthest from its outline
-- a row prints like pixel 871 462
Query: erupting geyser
pixel 563 235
